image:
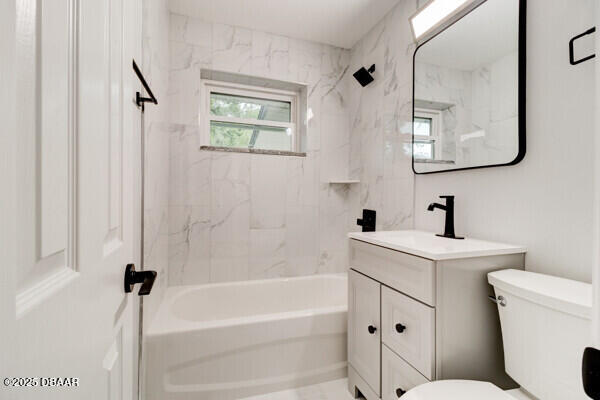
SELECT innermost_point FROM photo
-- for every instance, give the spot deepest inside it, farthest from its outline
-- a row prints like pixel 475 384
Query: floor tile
pixel 332 390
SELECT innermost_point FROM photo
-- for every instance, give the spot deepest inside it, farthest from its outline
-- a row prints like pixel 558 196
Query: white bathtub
pixel 232 340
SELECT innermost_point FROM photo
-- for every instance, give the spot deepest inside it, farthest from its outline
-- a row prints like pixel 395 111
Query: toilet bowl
pixel 546 325
pixel 464 390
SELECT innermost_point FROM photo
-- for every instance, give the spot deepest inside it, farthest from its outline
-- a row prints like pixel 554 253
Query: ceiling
pixel 487 34
pixel 337 22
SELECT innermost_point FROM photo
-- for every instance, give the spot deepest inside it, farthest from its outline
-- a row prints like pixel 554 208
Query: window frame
pixel 235 89
pixel 435 137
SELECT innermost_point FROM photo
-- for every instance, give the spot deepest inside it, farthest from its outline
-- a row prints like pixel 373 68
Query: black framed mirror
pixel 469 91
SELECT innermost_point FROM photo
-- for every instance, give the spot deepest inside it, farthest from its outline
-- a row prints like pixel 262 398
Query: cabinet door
pixel 364 332
pixel 408 328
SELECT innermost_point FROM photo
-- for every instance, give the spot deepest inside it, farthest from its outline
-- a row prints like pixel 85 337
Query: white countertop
pixel 428 245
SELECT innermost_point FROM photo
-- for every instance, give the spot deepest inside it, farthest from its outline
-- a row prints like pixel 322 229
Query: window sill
pixel 425 161
pixel 253 151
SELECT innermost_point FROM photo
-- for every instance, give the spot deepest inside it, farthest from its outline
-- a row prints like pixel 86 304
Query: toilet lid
pixel 457 390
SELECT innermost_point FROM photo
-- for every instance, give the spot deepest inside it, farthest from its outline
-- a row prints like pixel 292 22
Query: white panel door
pixel 364 340
pixel 596 249
pixel 70 199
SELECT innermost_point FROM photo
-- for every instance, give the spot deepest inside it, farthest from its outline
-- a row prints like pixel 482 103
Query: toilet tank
pixel 546 325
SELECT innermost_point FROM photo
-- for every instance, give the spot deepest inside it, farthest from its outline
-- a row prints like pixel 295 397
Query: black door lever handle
pixel 146 278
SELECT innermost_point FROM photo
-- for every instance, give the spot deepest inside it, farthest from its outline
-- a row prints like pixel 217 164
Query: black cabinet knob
pixel 372 329
pixel 400 328
pixel 400 392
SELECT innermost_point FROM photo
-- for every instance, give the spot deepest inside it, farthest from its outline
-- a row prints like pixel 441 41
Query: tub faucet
pixel 449 208
pixel 368 221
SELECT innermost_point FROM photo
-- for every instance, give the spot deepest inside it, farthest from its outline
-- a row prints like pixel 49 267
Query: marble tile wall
pixel 482 99
pixel 155 67
pixel 380 118
pixel 235 216
pixel 495 109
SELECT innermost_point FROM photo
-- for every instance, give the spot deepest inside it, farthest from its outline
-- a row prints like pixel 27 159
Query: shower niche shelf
pixel 343 181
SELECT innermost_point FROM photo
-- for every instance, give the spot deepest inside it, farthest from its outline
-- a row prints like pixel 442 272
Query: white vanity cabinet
pixel 418 310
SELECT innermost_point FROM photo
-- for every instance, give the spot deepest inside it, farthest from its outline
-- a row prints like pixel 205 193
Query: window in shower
pixel 246 117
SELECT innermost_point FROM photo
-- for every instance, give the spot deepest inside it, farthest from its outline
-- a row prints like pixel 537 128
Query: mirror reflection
pixel 466 92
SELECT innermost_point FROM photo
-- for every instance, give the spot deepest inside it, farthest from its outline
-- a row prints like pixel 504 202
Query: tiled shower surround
pixel 236 216
pixel 381 120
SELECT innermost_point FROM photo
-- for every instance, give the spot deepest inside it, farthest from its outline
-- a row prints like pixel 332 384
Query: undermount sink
pixel 428 245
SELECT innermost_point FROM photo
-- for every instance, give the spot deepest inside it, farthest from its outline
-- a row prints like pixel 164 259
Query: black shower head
pixel 363 75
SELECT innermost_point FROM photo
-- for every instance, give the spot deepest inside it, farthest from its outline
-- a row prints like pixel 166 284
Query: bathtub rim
pixel 167 323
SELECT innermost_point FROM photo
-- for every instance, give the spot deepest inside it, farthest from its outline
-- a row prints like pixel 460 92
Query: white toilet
pixel 546 324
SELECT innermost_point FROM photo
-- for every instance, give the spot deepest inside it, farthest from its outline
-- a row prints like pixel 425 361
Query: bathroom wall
pixel 155 67
pixel 380 121
pixel 235 216
pixel 545 202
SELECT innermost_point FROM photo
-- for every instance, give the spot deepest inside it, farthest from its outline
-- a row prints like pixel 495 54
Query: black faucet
pixel 449 208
